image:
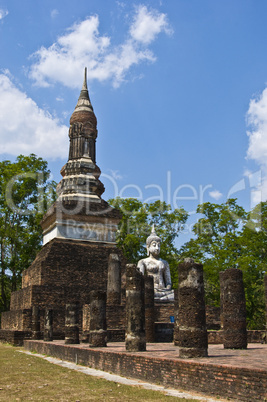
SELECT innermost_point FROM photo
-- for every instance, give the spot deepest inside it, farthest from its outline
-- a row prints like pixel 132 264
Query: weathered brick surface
pixel 233 382
pixel 116 317
pixel 72 323
pixel 114 280
pixel 190 330
pixel 16 338
pixel 64 271
pixel 253 336
pixel 149 309
pixel 163 311
pixel 64 262
pixel 98 321
pixel 233 305
pixel 265 287
pixel 19 320
pixel 135 309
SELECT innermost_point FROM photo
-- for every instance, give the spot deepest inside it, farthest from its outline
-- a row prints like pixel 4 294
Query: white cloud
pixel 215 194
pixel 25 128
pixel 247 172
pixel 148 24
pixel 257 150
pixel 82 45
pixel 54 13
pixel 3 13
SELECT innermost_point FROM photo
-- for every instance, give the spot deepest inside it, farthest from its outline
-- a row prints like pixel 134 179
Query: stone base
pixel 241 378
pixel 190 353
pixel 235 339
pixel 137 344
pixel 72 336
pixel 15 338
pixel 64 271
pixel 98 338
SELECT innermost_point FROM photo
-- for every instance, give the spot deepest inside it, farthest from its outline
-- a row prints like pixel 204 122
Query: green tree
pixel 135 227
pixel 25 194
pixel 226 237
pixel 253 262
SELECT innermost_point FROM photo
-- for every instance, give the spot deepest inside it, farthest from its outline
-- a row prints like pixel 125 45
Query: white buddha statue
pixel 158 268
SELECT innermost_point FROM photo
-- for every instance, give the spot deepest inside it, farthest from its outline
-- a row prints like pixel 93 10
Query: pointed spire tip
pixel 85 79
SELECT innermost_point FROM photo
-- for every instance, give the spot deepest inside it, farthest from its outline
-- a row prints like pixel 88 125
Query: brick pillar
pixel 36 333
pixel 48 325
pixel 149 309
pixel 72 323
pixel 233 309
pixel 97 323
pixel 190 328
pixel 265 286
pixel 135 336
pixel 175 327
pixel 114 280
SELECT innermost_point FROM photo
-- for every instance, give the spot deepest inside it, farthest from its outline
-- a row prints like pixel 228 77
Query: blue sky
pixel 178 88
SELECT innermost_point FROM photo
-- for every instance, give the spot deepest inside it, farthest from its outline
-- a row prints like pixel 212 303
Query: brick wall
pixel 64 271
pixel 163 311
pixel 223 381
pixel 63 262
pixel 17 320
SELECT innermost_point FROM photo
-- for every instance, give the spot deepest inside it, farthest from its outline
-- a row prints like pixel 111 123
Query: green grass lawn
pixel 25 378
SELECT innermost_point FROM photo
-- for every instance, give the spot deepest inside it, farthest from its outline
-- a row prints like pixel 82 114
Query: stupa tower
pixel 78 237
pixel 80 212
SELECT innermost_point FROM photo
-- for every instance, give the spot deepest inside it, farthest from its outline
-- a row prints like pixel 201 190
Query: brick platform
pixel 236 374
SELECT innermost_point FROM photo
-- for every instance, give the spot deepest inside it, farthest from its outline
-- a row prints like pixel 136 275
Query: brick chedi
pixel 78 236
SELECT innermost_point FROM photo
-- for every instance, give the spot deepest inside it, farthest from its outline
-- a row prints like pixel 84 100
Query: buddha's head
pixel 153 243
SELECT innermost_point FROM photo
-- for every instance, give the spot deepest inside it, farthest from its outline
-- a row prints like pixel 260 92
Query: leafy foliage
pixel 25 194
pixel 226 237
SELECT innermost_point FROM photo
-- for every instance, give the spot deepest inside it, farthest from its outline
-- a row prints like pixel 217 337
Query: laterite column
pixel 233 309
pixel 72 323
pixel 265 286
pixel 190 328
pixel 135 336
pixel 175 327
pixel 36 333
pixel 48 325
pixel 149 309
pixel 98 323
pixel 114 280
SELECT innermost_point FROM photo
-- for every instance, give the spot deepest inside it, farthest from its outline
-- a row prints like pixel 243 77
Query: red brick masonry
pixel 236 374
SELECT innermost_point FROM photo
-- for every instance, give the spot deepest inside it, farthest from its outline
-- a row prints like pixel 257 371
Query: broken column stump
pixel 190 328
pixel 48 325
pixel 135 336
pixel 97 322
pixel 114 280
pixel 149 309
pixel 72 323
pixel 233 309
pixel 36 332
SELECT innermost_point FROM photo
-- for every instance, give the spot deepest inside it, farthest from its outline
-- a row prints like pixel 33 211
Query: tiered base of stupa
pixel 64 271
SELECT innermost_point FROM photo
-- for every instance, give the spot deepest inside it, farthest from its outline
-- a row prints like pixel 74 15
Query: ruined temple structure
pixel 79 257
pixel 78 237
